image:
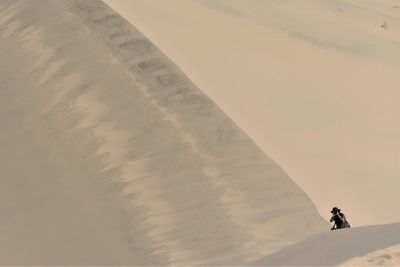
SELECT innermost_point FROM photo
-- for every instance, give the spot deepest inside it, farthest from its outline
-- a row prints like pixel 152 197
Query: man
pixel 339 219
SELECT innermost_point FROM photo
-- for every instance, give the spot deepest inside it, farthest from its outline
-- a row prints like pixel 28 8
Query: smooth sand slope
pixel 384 257
pixel 109 155
pixel 315 83
pixel 340 247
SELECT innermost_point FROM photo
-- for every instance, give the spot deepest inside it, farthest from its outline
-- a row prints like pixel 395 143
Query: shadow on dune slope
pixel 110 155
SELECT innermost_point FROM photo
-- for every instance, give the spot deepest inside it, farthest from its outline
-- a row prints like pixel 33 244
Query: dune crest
pixel 314 83
pixel 110 155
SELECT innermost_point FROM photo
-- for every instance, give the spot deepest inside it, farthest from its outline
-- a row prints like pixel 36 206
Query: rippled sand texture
pixel 110 155
pixel 384 257
pixel 314 83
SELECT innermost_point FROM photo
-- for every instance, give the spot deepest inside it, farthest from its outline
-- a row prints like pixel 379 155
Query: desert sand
pixel 346 247
pixel 111 155
pixel 314 83
pixel 383 257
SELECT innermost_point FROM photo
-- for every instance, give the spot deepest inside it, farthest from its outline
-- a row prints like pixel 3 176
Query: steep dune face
pixel 314 83
pixel 110 155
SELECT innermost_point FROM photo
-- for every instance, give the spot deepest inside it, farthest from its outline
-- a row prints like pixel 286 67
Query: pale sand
pixel 314 83
pixel 109 155
pixel 383 257
pixel 350 247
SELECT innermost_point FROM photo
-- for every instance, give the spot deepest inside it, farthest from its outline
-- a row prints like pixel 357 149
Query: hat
pixel 335 209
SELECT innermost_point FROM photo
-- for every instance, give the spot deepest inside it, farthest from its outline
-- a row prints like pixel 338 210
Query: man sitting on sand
pixel 339 218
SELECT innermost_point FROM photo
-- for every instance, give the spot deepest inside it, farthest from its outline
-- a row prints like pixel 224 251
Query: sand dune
pixel 384 257
pixel 314 83
pixel 341 247
pixel 110 155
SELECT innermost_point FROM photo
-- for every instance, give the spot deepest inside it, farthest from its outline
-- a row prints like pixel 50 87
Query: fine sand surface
pixel 314 83
pixel 383 257
pixel 109 155
pixel 341 247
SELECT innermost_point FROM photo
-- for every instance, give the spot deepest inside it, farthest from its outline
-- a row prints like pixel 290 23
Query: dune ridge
pixel 314 83
pixel 110 154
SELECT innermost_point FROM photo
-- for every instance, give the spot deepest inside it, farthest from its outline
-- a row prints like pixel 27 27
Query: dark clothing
pixel 338 221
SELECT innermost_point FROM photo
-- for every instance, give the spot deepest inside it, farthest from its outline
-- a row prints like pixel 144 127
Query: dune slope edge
pixel 110 155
